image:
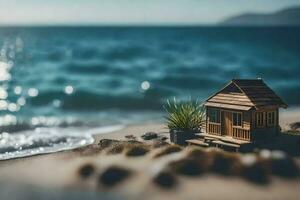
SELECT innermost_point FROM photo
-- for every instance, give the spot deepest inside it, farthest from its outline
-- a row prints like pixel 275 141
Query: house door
pixel 226 123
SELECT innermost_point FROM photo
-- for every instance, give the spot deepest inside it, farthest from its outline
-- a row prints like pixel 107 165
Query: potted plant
pixel 184 120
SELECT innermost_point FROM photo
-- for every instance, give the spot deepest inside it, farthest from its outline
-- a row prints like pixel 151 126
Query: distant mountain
pixel 285 17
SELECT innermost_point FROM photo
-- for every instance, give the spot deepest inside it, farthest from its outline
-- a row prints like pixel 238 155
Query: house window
pixel 214 115
pixel 237 119
pixel 260 122
pixel 271 118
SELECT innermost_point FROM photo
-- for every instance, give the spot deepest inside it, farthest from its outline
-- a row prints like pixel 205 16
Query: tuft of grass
pixel 105 143
pixel 116 148
pixel 159 143
pixel 136 150
pixel 286 168
pixel 168 150
pixel 86 170
pixel 225 163
pixel 184 115
pixel 205 159
pixel 114 175
pixel 283 166
pixel 186 166
pixel 131 148
pixel 165 179
pixel 257 173
pixel 196 152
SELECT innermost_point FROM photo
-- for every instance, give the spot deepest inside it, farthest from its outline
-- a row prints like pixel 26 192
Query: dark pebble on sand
pixel 113 175
pixel 165 180
pixel 86 170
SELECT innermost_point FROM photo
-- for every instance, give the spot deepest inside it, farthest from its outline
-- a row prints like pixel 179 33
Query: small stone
pixel 149 136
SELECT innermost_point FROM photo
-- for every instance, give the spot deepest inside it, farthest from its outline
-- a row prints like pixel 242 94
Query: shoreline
pixel 287 117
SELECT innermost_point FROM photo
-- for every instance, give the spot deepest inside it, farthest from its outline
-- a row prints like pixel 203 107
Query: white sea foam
pixel 47 140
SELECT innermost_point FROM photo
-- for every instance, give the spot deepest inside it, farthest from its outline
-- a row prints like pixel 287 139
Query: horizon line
pixel 147 25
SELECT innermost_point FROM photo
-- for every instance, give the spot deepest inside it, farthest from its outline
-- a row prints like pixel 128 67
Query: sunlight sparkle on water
pixel 33 92
pixel 3 93
pixel 3 105
pixel 145 85
pixel 4 70
pixel 18 90
pixel 69 89
pixel 21 101
pixel 7 120
pixel 12 107
pixel 56 103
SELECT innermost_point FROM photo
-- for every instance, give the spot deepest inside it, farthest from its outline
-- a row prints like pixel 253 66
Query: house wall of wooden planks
pixel 245 110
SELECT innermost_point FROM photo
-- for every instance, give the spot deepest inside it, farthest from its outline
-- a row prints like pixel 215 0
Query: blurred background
pixel 68 67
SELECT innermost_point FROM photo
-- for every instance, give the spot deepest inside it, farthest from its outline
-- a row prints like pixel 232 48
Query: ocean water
pixel 57 84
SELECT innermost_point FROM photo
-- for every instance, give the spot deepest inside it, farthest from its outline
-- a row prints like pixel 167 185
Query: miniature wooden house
pixel 243 110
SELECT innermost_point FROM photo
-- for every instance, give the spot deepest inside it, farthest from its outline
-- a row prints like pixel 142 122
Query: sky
pixel 132 12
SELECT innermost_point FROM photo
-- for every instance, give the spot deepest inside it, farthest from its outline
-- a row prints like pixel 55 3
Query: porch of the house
pixel 225 129
pixel 225 142
pixel 224 135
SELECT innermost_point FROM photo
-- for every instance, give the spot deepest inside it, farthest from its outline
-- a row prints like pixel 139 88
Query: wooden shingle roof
pixel 245 94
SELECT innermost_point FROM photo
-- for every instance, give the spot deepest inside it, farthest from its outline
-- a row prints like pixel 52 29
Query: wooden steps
pixel 226 139
pixel 197 142
pixel 206 140
pixel 225 144
pixel 207 144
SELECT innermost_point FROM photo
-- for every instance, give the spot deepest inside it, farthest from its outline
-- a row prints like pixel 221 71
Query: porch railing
pixel 214 129
pixel 241 134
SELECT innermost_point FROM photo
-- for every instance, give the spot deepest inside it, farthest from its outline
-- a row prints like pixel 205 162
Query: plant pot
pixel 179 136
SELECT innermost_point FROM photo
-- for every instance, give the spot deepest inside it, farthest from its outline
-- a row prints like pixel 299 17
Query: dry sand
pixel 55 176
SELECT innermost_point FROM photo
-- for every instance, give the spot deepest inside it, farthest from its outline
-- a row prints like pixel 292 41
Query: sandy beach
pixel 57 175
